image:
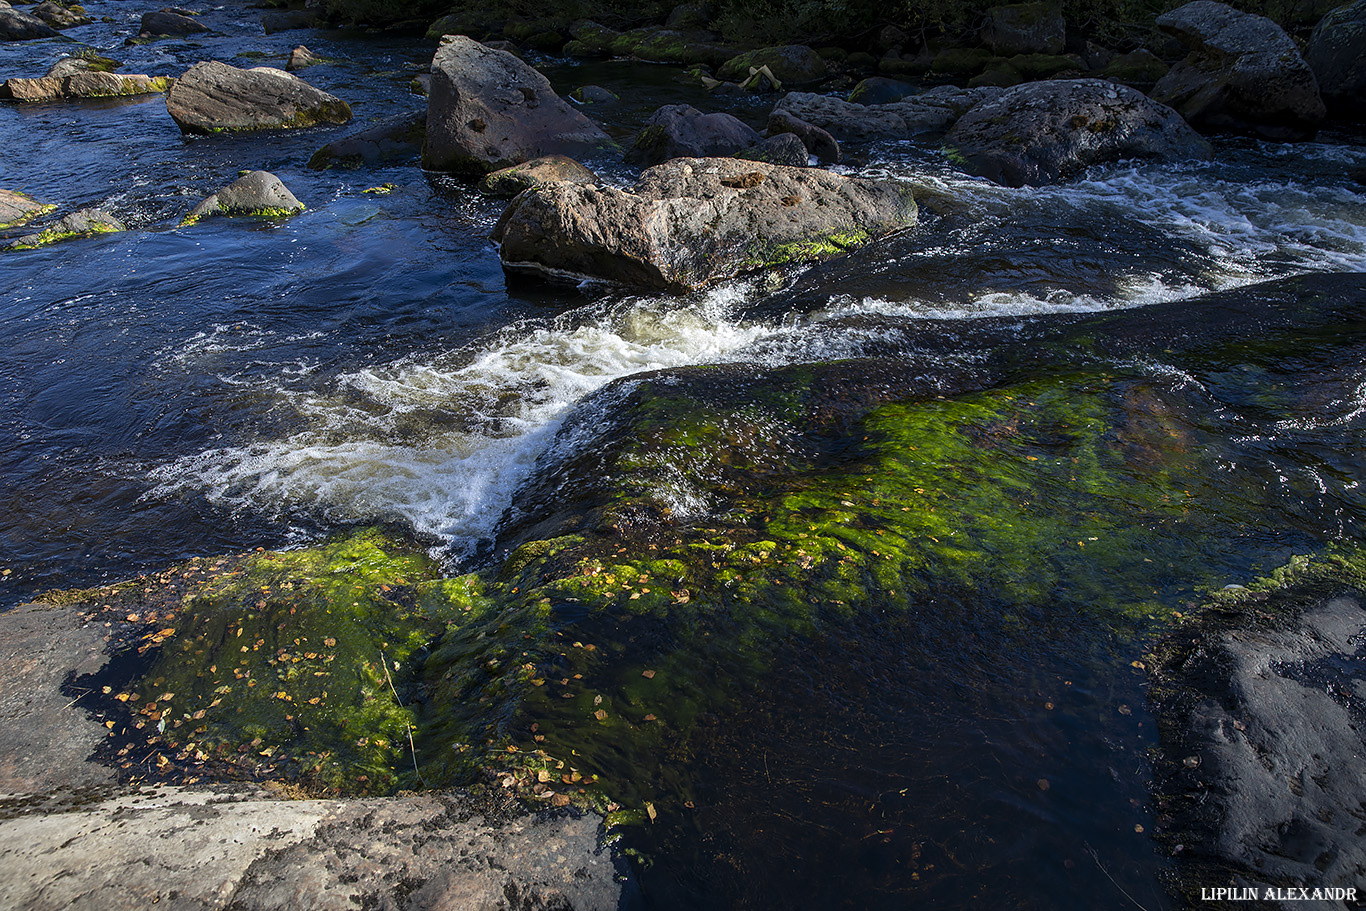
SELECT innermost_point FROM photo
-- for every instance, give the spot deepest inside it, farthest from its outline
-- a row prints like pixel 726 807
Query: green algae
pixel 58 233
pixel 297 656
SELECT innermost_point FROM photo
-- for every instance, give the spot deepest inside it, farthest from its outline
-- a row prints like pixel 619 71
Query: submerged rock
pixel 538 172
pixel 1261 703
pixel 168 22
pixel 392 140
pixel 214 97
pixel 1043 132
pixel 487 110
pixel 692 221
pixel 682 131
pixel 1337 55
pixel 90 84
pixel 16 208
pixel 1244 74
pixel 81 223
pixel 17 26
pixel 259 193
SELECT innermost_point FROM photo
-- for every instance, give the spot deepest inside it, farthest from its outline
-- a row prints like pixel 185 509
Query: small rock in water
pixel 258 193
pixel 170 21
pixel 550 169
pixel 214 97
pixel 301 57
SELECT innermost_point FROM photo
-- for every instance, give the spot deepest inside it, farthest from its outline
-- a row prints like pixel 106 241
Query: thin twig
pixel 412 748
pixel 1096 857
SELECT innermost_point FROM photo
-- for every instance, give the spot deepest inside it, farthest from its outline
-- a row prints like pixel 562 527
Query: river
pixel 168 392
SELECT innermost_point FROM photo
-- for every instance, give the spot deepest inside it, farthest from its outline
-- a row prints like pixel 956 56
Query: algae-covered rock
pixel 81 223
pixel 692 221
pixel 259 194
pixel 61 17
pixel 88 84
pixel 792 64
pixel 16 208
pixel 781 149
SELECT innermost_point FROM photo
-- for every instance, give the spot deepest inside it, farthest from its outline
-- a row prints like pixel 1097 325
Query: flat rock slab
pixel 17 208
pixel 85 85
pixel 45 738
pixel 1264 746
pixel 214 97
pixel 692 221
pixel 193 849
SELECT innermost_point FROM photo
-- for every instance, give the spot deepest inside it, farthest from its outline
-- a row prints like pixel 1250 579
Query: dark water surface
pixel 167 392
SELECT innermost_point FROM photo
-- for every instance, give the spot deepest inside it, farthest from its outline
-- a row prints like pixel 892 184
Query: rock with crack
pixel 1045 132
pixel 487 110
pixel 213 97
pixel 692 221
pixel 258 193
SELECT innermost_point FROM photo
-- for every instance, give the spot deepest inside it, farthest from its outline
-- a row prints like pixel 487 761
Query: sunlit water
pixel 174 391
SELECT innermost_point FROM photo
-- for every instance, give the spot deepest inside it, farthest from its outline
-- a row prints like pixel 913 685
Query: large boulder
pixel 214 97
pixel 17 208
pixel 1025 28
pixel 792 64
pixel 257 193
pixel 392 140
pixel 691 221
pixel 682 131
pixel 88 84
pixel 1337 55
pixel 1043 132
pixel 1243 74
pixel 487 110
pixel 17 26
pixel 169 22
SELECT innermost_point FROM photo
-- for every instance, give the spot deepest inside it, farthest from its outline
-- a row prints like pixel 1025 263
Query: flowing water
pixel 166 392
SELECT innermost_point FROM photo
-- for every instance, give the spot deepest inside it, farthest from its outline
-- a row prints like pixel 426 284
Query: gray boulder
pixel 487 110
pixel 784 149
pixel 81 223
pixel 538 172
pixel 846 121
pixel 17 26
pixel 58 16
pixel 70 66
pixel 169 22
pixel 17 208
pixel 594 94
pixel 682 131
pixel 931 112
pixel 1025 28
pixel 1244 74
pixel 692 221
pixel 815 140
pixel 1044 132
pixel 791 64
pixel 214 97
pixel 392 140
pixel 258 193
pixel 1337 55
pixel 87 84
